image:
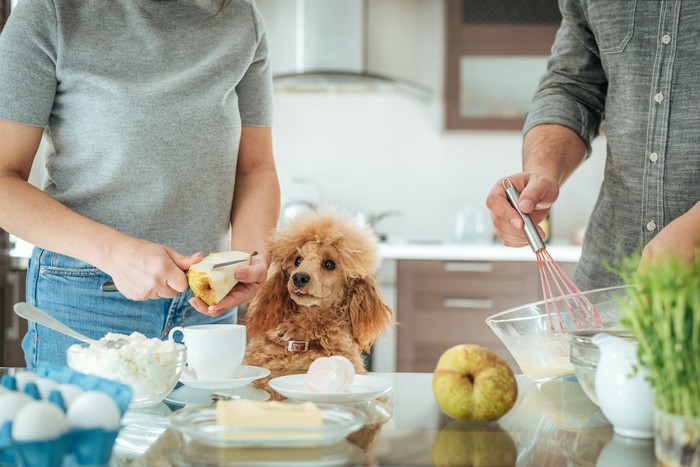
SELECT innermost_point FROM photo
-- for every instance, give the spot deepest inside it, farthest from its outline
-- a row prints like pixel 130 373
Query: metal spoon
pixel 32 313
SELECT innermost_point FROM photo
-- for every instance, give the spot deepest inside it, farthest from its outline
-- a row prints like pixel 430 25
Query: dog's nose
pixel 300 279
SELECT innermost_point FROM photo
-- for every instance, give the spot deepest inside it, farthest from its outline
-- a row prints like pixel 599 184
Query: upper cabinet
pixel 496 52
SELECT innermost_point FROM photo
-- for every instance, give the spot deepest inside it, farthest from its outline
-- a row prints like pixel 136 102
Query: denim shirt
pixel 633 65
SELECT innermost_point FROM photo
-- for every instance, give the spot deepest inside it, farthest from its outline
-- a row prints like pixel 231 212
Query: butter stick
pixel 255 414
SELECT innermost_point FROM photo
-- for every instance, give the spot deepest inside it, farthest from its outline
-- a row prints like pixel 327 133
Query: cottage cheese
pixel 150 366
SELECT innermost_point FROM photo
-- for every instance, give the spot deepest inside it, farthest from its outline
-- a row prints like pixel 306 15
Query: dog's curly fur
pixel 335 301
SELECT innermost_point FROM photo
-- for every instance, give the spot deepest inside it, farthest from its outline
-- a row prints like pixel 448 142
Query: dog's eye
pixel 328 264
pixel 297 261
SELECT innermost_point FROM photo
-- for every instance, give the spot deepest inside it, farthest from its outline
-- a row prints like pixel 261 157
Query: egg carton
pixel 78 446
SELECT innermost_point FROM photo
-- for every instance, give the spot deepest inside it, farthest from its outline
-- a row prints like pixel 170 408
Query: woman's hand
pixel 250 279
pixel 144 270
pixel 537 193
pixel 680 238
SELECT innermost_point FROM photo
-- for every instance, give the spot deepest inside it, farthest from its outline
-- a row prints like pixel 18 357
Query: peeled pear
pixel 212 285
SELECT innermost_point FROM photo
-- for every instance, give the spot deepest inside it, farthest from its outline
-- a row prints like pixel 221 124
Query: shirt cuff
pixel 558 110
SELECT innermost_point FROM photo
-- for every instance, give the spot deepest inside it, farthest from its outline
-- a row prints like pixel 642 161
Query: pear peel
pixel 212 285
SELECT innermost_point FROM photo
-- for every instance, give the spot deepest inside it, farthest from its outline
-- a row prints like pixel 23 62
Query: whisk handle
pixel 533 236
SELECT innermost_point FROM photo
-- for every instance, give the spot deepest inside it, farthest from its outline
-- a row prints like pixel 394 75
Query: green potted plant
pixel 663 313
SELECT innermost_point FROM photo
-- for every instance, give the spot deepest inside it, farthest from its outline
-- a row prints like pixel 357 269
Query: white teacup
pixel 214 351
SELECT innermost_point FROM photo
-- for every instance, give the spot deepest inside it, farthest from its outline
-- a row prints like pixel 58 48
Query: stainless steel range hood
pixel 338 45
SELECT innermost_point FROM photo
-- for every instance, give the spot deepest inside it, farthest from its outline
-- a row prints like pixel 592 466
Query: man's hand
pixel 680 238
pixel 537 193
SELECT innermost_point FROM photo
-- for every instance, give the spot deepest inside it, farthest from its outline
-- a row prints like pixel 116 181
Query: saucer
pixel 245 374
pixel 185 395
pixel 363 388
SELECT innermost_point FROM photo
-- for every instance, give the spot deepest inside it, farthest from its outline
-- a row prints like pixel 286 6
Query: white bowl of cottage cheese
pixel 149 365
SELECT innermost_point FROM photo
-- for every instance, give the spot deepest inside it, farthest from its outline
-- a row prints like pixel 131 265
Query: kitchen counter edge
pixel 474 252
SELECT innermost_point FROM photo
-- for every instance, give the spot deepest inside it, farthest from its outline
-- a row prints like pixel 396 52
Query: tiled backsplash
pixel 386 151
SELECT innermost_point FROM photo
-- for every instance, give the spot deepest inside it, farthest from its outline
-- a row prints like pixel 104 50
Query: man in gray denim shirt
pixel 634 64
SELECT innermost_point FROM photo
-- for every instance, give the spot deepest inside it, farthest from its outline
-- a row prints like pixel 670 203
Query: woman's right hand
pixel 144 270
pixel 537 194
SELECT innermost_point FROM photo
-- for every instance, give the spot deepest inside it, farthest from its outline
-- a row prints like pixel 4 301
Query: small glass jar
pixel 676 440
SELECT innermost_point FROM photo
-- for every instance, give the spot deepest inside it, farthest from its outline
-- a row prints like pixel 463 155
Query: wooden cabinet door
pixel 445 303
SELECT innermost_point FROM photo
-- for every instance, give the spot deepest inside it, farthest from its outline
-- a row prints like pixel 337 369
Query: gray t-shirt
pixel 634 64
pixel 143 103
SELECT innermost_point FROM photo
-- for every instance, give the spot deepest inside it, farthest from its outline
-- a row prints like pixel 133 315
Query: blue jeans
pixel 69 290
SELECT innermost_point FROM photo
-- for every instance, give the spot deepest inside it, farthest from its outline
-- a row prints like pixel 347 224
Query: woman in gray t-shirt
pixel 157 117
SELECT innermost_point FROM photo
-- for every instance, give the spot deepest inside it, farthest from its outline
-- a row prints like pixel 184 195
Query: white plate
pixel 185 395
pixel 363 388
pixel 245 374
pixel 199 423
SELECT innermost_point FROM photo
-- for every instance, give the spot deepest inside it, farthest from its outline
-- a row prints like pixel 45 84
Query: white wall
pixel 386 151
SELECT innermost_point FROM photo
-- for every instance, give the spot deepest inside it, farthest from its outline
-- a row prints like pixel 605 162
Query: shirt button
pixel 651 226
pixel 666 39
pixel 653 157
pixel 659 97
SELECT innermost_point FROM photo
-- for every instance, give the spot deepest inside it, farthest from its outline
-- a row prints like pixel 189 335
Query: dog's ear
pixel 269 305
pixel 369 315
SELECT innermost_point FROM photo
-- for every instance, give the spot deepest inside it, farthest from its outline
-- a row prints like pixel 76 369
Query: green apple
pixel 212 285
pixel 472 383
pixel 465 443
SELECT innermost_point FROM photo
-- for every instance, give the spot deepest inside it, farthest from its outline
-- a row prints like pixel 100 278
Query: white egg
pixel 348 368
pixel 69 392
pixel 10 403
pixel 24 377
pixel 45 386
pixel 94 409
pixel 39 421
pixel 324 375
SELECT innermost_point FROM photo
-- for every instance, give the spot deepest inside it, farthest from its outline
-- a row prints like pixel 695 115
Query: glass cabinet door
pixel 496 53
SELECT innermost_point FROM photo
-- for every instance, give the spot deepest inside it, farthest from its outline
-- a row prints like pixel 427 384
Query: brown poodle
pixel 320 297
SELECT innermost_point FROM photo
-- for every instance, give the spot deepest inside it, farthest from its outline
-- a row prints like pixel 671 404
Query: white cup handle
pixel 172 332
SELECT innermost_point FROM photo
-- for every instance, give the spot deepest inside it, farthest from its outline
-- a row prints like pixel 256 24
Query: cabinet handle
pixel 12 331
pixel 482 303
pixel 466 266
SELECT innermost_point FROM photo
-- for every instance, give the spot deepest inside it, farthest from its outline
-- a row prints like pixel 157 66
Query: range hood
pixel 336 45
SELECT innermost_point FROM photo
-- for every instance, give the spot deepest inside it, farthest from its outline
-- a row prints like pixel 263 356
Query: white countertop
pixel 562 252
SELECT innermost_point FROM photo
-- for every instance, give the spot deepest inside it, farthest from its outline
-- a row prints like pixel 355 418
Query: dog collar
pixel 293 345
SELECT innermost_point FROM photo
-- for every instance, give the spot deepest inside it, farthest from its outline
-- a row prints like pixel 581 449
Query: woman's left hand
pixel 680 238
pixel 250 279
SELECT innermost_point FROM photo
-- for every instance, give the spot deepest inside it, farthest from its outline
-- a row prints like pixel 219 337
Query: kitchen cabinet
pixel 495 53
pixel 4 12
pixel 13 276
pixel 12 327
pixel 445 303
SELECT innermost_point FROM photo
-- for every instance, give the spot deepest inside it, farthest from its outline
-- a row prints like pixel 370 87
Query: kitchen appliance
pixel 352 45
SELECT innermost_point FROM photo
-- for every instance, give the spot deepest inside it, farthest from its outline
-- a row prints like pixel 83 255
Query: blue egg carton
pixel 78 446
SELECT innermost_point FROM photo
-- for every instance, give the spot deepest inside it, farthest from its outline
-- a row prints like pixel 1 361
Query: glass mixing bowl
pixel 541 352
pixel 151 373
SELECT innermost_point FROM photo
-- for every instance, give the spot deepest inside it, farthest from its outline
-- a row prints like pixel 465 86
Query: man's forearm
pixel 553 150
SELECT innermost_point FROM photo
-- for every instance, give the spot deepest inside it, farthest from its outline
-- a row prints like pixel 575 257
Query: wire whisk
pixel 555 282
